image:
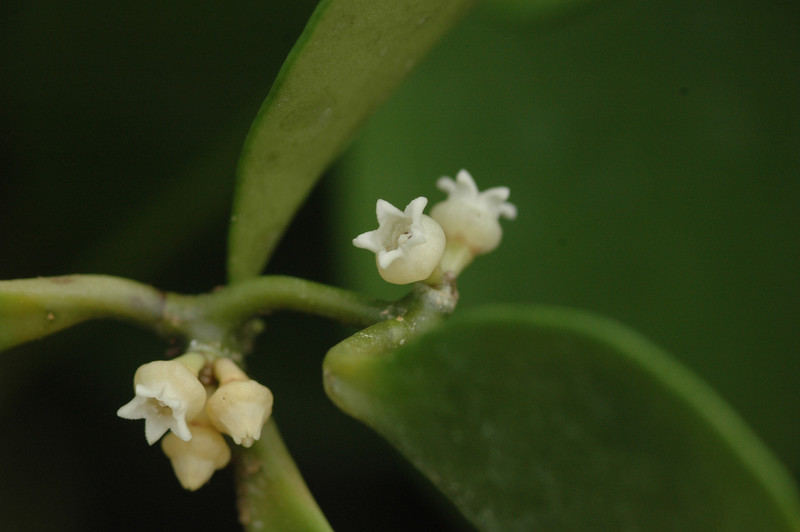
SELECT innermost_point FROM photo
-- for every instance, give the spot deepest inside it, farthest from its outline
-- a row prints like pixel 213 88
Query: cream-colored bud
pixel 240 406
pixel 240 409
pixel 470 217
pixel 195 461
pixel 168 396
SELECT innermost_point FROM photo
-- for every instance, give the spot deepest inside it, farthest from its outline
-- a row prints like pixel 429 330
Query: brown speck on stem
pixel 244 510
pixel 247 466
pixel 252 467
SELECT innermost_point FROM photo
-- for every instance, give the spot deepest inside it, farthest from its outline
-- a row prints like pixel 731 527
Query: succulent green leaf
pixel 350 57
pixel 540 418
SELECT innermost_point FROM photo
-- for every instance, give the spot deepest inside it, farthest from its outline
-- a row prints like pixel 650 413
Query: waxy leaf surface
pixel 350 57
pixel 541 418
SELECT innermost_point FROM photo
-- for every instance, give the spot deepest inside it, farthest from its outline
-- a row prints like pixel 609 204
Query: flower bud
pixel 195 461
pixel 469 218
pixel 408 245
pixel 240 406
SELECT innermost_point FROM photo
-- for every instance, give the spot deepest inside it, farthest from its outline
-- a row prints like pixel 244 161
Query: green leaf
pixel 541 418
pixel 350 57
pixel 525 12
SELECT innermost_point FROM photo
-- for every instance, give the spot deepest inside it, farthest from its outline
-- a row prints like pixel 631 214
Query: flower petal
pixel 134 409
pixel 369 240
pixel 414 209
pixel 157 426
pixel 387 213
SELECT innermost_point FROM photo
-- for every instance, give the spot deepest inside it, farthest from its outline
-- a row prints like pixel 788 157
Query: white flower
pixel 168 395
pixel 471 217
pixel 195 461
pixel 408 245
pixel 240 406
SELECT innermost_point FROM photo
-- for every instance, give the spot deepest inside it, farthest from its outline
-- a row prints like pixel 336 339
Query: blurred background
pixel 652 148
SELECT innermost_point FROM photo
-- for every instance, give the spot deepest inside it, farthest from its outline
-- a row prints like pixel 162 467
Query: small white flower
pixel 195 461
pixel 168 395
pixel 240 406
pixel 408 245
pixel 471 217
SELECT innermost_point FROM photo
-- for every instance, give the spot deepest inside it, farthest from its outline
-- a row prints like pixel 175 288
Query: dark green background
pixel 653 150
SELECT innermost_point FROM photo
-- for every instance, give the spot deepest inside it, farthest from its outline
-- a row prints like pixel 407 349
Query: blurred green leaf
pixel 349 58
pixel 542 418
pixel 527 11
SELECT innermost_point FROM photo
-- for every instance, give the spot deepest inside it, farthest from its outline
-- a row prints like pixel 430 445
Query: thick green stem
pixel 224 318
pixel 272 493
pixel 239 302
pixel 33 308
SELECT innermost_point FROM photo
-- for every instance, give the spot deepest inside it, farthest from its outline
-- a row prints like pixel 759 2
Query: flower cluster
pixel 410 246
pixel 171 398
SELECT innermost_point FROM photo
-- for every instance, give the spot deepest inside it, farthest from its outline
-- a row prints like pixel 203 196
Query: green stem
pixel 272 493
pixel 239 302
pixel 224 319
pixel 33 308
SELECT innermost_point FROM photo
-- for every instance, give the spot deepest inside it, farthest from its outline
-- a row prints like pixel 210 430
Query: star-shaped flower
pixel 408 245
pixel 470 216
pixel 168 395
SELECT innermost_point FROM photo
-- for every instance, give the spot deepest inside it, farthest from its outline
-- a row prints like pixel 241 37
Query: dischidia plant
pixel 525 417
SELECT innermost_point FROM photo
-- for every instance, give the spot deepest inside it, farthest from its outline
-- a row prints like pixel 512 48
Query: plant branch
pixel 271 492
pixel 239 302
pixel 34 308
